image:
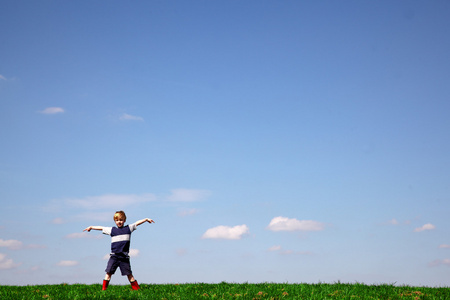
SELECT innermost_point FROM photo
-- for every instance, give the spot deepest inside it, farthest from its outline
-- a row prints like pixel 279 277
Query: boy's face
pixel 119 222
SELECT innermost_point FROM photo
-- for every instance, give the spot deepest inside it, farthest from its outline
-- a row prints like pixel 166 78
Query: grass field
pixel 224 291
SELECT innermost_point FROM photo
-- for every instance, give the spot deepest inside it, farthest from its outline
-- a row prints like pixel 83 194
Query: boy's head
pixel 120 218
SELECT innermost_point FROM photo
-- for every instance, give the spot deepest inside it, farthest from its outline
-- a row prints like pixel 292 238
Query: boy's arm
pixel 143 221
pixel 93 227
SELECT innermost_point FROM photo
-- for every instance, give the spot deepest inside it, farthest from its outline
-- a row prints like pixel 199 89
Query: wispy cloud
pixel 67 263
pixel 188 212
pixel 11 244
pixel 425 227
pixel 444 246
pixel 395 222
pixel 52 110
pixel 226 232
pixel 127 117
pixel 392 222
pixel 83 235
pixel 7 79
pixel 291 252
pixel 181 251
pixel 95 215
pixel 274 248
pixel 286 224
pixel 108 201
pixel 112 201
pixel 7 263
pixel 99 207
pixel 440 262
pixel 95 208
pixel 35 246
pixel 188 195
pixel 281 251
pixel 58 221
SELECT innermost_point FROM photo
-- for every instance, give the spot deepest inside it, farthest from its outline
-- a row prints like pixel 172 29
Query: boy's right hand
pixel 88 229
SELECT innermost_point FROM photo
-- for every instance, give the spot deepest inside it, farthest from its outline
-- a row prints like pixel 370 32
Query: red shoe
pixel 134 285
pixel 105 284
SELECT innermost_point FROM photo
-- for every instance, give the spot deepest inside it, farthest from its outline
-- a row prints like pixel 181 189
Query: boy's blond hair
pixel 120 214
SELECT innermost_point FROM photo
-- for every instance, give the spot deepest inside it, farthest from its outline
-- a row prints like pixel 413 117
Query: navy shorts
pixel 121 261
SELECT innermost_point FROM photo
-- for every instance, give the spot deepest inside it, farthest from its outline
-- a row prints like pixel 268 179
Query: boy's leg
pixel 133 282
pixel 131 278
pixel 105 284
pixel 106 281
pixel 125 268
pixel 110 269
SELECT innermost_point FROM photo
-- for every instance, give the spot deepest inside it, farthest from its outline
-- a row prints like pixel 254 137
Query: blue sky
pixel 271 141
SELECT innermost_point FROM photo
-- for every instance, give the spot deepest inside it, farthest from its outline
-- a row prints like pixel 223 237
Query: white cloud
pixel 444 246
pixel 127 117
pixel 188 195
pixel 16 245
pixel 286 224
pixel 6 263
pixel 67 263
pixel 427 226
pixel 133 252
pixel 11 244
pixel 52 110
pixel 109 201
pixel 2 77
pixel 226 232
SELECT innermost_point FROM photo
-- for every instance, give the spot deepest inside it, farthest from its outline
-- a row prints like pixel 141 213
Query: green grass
pixel 225 290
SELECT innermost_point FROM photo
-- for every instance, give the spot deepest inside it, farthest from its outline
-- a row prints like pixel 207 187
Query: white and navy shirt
pixel 120 238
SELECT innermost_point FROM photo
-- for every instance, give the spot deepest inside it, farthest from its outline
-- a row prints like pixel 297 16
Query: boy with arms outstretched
pixel 120 246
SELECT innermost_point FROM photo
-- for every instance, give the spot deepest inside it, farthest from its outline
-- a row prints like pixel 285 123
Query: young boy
pixel 120 246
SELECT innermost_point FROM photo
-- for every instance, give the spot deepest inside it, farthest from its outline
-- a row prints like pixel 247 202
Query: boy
pixel 120 246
